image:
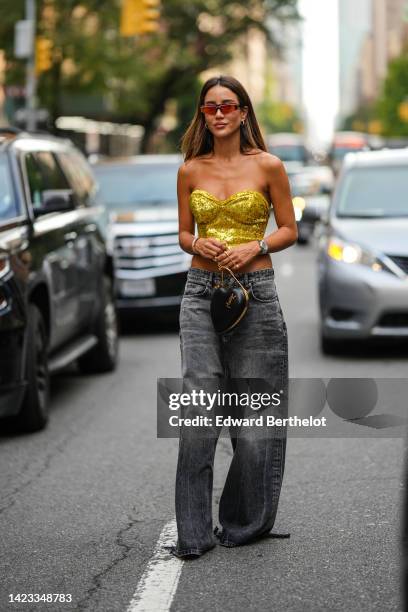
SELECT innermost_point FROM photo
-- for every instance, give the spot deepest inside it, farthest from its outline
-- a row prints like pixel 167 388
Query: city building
pixel 385 40
pixel 371 33
pixel 354 25
pixel 285 68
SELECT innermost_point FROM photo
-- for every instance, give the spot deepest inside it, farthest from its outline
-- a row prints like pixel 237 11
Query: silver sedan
pixel 363 251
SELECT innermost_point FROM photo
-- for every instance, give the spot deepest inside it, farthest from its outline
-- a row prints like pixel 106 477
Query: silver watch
pixel 263 246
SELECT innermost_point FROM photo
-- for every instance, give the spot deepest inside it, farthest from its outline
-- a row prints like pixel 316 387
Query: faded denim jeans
pixel 255 349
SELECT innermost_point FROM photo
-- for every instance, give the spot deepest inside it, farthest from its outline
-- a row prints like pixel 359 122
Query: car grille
pixel 401 261
pixel 147 252
pixel 393 319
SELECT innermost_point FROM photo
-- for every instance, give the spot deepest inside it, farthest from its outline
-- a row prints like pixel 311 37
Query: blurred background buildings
pixel 144 94
pixel 372 33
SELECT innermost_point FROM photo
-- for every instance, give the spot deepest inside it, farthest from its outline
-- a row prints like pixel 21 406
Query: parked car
pixel 363 253
pixel 350 142
pixel 140 195
pixel 308 212
pixel 310 189
pixel 310 181
pixel 290 148
pixel 56 275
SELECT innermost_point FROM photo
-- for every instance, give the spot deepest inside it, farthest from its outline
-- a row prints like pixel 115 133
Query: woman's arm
pixel 206 247
pixel 281 198
pixel 186 219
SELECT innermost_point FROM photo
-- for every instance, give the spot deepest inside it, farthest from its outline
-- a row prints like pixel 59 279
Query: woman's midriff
pixel 260 262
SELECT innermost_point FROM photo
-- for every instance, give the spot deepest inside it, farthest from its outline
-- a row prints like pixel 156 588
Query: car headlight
pixel 299 205
pixel 4 265
pixel 350 253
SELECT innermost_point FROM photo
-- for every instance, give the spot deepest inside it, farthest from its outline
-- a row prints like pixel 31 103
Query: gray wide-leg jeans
pixel 255 349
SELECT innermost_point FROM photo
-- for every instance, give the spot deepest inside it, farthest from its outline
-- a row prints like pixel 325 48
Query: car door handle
pixel 70 237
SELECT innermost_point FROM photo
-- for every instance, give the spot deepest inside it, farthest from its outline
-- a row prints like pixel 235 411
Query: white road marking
pixel 158 584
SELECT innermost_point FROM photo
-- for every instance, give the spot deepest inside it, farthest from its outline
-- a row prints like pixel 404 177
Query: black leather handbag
pixel 228 304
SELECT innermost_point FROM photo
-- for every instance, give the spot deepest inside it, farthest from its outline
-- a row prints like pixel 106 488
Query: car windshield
pixel 135 185
pixel 374 192
pixel 289 152
pixel 8 206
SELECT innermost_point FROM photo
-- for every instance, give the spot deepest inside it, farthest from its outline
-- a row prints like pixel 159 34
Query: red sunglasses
pixel 211 109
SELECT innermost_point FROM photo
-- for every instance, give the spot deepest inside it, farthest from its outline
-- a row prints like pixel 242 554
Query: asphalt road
pixel 83 503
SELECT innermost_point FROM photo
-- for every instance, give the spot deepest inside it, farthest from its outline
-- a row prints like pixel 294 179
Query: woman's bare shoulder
pixel 270 162
pixel 192 168
pixel 186 169
pixel 193 164
pixel 254 152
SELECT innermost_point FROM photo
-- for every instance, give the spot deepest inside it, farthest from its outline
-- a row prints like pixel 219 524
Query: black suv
pixel 56 276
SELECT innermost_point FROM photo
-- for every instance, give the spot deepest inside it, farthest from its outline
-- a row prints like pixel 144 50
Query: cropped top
pixel 240 218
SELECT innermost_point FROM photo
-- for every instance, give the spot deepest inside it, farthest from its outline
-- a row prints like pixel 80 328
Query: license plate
pixel 138 288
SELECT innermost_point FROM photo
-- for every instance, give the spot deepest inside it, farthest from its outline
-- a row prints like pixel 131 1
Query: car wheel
pixel 303 240
pixel 103 357
pixel 34 412
pixel 304 234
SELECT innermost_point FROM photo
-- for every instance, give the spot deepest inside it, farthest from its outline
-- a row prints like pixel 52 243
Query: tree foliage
pixel 132 79
pixel 364 116
pixel 279 117
pixel 394 95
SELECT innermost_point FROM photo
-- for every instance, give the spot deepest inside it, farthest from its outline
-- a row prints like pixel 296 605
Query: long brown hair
pixel 197 140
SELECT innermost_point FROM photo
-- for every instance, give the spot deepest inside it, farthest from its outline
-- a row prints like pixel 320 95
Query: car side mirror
pixel 55 200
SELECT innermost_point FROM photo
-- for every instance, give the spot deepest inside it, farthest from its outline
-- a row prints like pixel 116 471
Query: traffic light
pixel 150 16
pixel 43 54
pixel 139 17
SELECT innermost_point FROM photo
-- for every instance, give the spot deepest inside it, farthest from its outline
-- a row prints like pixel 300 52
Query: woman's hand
pixel 209 247
pixel 237 256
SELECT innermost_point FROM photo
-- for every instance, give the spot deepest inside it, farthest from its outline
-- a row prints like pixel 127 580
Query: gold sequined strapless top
pixel 240 218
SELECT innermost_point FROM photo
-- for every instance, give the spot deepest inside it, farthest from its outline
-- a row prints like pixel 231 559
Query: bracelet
pixel 193 244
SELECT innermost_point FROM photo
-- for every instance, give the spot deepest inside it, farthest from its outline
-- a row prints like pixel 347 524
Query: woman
pixel 225 186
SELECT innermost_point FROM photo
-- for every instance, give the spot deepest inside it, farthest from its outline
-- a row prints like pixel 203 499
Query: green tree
pixel 361 119
pixel 394 98
pixel 279 117
pixel 132 79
